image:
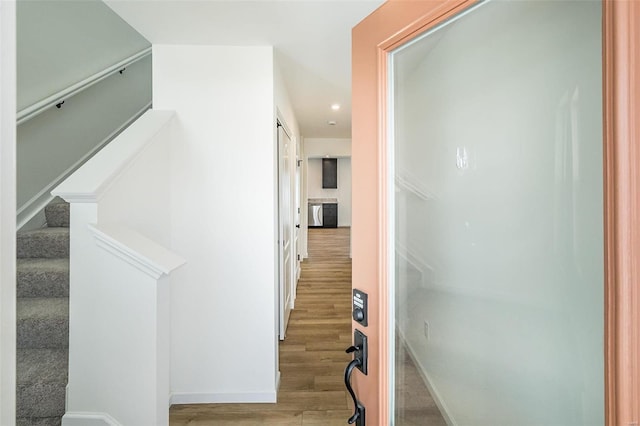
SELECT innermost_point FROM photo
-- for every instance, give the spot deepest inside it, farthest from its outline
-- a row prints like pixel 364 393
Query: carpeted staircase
pixel 43 319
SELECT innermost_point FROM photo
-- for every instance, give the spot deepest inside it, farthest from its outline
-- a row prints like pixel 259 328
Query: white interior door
pixel 285 219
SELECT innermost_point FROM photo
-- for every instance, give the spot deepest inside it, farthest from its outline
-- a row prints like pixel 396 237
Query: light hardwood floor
pixel 312 357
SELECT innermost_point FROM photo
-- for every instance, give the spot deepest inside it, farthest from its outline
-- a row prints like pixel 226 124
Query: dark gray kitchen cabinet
pixel 330 215
pixel 329 172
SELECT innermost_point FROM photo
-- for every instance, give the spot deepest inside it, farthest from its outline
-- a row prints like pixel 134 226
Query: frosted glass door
pixel 496 159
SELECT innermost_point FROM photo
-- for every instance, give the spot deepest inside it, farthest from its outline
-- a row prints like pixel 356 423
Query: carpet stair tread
pixel 42 322
pixel 57 214
pixel 40 384
pixel 37 277
pixel 43 243
pixel 42 365
pixel 39 421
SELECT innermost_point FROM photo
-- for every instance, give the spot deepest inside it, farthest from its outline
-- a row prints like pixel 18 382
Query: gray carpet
pixel 43 320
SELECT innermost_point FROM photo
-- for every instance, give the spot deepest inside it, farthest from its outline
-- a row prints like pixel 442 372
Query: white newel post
pixel 119 303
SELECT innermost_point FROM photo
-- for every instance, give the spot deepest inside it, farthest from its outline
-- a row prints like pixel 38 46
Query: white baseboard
pixel 226 397
pixel 437 398
pixel 88 419
pixel 29 210
pixel 426 272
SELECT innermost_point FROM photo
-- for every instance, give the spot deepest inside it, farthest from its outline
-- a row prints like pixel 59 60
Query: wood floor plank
pixel 324 418
pixel 274 418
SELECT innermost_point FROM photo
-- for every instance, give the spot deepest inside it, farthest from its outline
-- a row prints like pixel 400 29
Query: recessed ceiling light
pixel 335 107
pixel 332 122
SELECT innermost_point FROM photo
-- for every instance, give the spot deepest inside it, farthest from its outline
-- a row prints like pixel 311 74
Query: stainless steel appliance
pixel 315 214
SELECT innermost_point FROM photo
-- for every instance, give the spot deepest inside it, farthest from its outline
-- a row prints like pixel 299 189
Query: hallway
pixel 312 357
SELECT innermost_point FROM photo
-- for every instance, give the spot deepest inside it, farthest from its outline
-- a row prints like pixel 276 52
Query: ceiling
pixel 312 40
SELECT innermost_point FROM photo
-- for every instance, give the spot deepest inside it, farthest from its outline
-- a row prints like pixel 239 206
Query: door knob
pixel 358 315
pixel 298 225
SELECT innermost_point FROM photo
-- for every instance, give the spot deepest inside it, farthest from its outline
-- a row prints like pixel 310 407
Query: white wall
pixel 283 103
pixel 7 212
pixel 303 200
pixel 62 42
pixel 321 147
pixel 342 192
pixel 224 341
pixel 507 237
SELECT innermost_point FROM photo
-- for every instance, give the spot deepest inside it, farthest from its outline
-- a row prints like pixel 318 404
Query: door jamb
pixel 621 76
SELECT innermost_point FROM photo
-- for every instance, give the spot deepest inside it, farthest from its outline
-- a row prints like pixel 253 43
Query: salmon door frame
pixel 395 23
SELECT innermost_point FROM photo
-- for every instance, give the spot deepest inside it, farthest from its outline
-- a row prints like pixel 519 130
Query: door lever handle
pixel 358 414
pixel 359 351
pixel 352 349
